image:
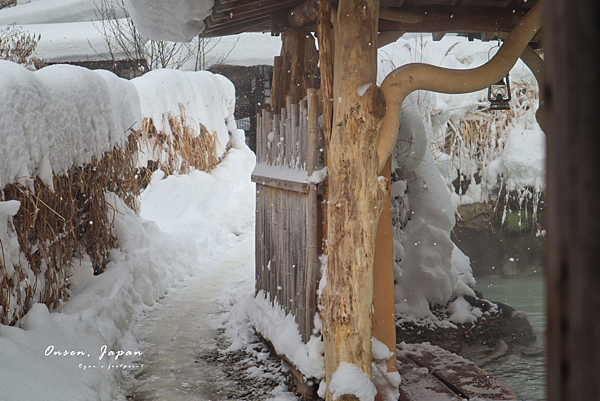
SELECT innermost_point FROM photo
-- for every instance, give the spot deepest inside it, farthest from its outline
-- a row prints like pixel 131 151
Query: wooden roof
pixel 479 17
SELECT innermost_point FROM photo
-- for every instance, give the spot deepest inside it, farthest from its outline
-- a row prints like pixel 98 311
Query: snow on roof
pixel 49 11
pixel 75 41
pixel 174 20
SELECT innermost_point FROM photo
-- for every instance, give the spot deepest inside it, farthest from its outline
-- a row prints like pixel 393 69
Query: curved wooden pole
pixel 537 67
pixel 411 77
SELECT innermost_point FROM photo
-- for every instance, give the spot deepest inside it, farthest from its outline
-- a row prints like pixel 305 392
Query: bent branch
pixel 416 76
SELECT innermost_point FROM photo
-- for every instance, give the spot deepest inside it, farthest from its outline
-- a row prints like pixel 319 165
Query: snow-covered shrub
pixel 19 47
pixel 66 143
pixel 177 137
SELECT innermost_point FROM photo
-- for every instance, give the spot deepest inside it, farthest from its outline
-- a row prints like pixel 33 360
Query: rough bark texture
pixel 572 102
pixel 356 197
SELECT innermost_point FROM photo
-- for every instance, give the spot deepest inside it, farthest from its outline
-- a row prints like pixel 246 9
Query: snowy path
pixel 184 326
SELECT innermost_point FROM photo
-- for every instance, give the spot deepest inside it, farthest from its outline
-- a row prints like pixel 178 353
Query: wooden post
pixel 299 59
pixel 326 60
pixel 356 196
pixel 573 171
pixel 384 308
pixel 277 85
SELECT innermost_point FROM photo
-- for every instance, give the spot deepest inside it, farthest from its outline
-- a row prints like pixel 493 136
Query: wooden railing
pixel 287 267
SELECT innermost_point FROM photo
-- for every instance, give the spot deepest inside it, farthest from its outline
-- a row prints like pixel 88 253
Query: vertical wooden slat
pixel 324 34
pixel 312 268
pixel 283 131
pixel 276 132
pixel 277 84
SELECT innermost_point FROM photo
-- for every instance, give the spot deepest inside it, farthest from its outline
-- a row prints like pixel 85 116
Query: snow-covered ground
pixel 76 351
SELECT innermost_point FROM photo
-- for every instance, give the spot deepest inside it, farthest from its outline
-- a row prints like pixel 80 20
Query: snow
pixel 349 379
pixel 281 330
pixel 246 49
pixel 62 116
pixel 71 41
pixel 318 176
pixel 49 12
pixel 523 158
pixel 58 117
pixel 205 98
pixel 279 172
pixel 388 383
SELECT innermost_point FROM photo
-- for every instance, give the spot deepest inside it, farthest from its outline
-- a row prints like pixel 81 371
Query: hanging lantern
pixel 499 95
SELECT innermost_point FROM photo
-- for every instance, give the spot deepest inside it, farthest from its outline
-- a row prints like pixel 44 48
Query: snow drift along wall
pixel 69 145
pixel 66 143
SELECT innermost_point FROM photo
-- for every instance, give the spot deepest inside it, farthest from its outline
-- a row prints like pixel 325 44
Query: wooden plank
pixel 462 376
pixel 457 19
pixel 324 34
pixel 419 385
pixel 573 171
pixel 295 133
pixel 258 254
pixel 276 131
pixel 307 388
pixel 313 270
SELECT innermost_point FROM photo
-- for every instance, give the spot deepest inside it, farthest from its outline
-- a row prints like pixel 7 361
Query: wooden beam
pixel 237 27
pixel 356 196
pixel 398 15
pixel 304 15
pixel 457 19
pixel 254 10
pixel 281 183
pixel 573 173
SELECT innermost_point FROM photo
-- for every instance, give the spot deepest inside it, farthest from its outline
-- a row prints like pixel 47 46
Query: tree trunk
pixel 356 197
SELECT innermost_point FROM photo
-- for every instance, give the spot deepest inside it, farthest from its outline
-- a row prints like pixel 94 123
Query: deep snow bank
pixel 62 116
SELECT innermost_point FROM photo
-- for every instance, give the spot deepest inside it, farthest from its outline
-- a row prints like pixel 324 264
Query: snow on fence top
pixel 58 117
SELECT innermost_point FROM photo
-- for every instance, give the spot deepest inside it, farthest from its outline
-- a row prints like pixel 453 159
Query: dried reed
pixel 53 227
pixel 180 151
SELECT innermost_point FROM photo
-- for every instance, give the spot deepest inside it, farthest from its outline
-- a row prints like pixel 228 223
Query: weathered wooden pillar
pixel 356 196
pixel 573 169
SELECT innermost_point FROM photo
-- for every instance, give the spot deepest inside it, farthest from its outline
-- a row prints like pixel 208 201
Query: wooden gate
pixel 287 267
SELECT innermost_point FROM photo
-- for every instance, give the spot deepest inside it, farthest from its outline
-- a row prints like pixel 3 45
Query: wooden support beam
pixel 299 59
pixel 384 300
pixel 456 19
pixel 304 15
pixel 572 55
pixel 356 196
pixel 326 60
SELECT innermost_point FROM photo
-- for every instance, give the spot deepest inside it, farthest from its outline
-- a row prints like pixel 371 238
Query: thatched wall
pixel 53 227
